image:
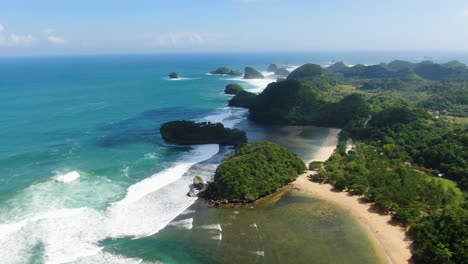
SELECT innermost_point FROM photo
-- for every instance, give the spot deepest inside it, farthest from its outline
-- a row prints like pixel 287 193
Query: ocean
pixel 86 178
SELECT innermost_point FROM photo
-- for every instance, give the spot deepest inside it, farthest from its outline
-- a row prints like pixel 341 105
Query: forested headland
pixel 410 124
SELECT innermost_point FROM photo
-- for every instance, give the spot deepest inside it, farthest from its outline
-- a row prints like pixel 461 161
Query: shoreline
pixel 390 238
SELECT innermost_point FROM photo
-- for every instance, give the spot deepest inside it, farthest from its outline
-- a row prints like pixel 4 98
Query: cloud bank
pixel 14 39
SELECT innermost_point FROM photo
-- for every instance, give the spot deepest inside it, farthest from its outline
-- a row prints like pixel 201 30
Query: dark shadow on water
pixel 144 128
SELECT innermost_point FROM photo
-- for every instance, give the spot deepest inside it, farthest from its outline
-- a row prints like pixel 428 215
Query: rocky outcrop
pixel 198 183
pixel 225 71
pixel 251 73
pixel 243 99
pixel 174 75
pixel 272 68
pixel 282 72
pixel 233 88
pixel 192 193
pixel 197 187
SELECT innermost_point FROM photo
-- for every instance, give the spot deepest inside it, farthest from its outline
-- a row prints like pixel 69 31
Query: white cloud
pixel 14 39
pixel 181 39
pixel 23 40
pixel 56 40
pixel 463 13
pixel 53 38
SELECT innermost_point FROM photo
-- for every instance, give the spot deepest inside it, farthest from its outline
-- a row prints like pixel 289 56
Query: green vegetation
pixel 254 171
pixel 463 121
pixel 226 71
pixel 409 161
pixel 441 237
pixel 243 99
pixel 427 70
pixel 191 133
pixel 306 71
pixel 251 73
pixel 397 165
pixel 295 102
pixel 393 185
pixel 314 74
pixel 409 122
pixel 315 165
pixel 439 88
pixel 233 88
pixel 415 136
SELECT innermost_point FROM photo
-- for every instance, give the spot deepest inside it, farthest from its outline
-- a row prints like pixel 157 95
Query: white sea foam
pixel 68 177
pixel 150 156
pixel 180 79
pixel 125 171
pixel 108 258
pixel 258 253
pixel 229 116
pixel 184 223
pixel 212 227
pixel 218 237
pixel 257 85
pixel 218 117
pixel 165 177
pixel 187 212
pixel 72 234
pixel 59 231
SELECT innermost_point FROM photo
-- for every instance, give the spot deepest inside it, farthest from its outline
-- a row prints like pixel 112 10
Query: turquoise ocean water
pixel 82 164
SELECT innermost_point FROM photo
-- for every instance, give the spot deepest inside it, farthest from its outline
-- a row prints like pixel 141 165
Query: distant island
pixel 272 68
pixel 225 71
pixel 251 73
pixel 282 72
pixel 254 171
pixel 192 133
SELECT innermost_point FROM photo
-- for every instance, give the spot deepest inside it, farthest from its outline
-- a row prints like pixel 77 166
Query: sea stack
pixel 272 68
pixel 174 75
pixel 225 71
pixel 251 73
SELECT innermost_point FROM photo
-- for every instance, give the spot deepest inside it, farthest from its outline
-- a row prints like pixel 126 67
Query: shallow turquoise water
pixel 296 229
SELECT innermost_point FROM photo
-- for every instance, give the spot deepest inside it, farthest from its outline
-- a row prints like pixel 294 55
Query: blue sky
pixel 152 26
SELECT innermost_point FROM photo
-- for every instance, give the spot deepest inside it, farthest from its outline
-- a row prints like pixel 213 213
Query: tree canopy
pixel 233 88
pixel 192 133
pixel 254 171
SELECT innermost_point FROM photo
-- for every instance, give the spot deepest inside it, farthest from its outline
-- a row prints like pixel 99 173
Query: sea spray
pixel 68 177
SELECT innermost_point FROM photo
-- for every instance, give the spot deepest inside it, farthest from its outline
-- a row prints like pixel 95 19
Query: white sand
pixel 391 238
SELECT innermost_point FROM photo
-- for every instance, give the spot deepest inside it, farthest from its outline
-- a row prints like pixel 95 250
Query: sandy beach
pixel 391 238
